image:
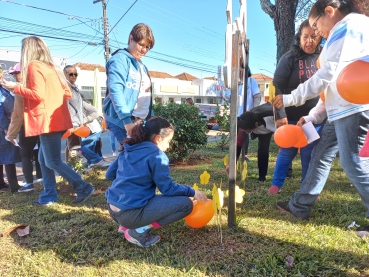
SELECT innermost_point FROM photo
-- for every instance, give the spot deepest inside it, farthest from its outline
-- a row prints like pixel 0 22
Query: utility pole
pixel 106 38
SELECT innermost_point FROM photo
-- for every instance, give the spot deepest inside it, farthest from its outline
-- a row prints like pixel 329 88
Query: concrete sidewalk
pixel 213 135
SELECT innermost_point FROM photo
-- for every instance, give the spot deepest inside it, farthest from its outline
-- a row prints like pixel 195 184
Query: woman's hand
pixel 129 128
pixel 282 121
pixel 278 101
pixel 200 196
pixel 301 122
pixel 8 85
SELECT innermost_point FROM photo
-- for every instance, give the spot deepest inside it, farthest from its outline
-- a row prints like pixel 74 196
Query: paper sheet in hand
pixel 310 132
pixel 16 143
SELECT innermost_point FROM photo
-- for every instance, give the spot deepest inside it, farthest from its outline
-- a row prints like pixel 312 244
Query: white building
pixel 9 57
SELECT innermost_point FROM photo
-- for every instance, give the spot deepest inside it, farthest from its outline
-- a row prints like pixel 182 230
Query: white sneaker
pixel 39 180
pixel 101 163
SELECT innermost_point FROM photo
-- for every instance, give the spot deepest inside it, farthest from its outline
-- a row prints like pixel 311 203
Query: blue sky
pixel 191 30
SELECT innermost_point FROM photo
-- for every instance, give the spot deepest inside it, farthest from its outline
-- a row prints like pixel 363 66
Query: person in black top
pixel 294 68
pixel 259 122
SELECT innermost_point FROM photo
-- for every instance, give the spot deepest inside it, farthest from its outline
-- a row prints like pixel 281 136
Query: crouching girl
pixel 141 168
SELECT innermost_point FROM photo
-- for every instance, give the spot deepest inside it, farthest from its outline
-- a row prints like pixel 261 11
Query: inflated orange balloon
pixel 68 133
pixel 201 214
pixel 302 142
pixel 353 83
pixel 103 124
pixel 288 135
pixel 82 132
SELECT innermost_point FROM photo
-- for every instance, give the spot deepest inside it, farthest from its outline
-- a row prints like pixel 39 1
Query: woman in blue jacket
pixel 10 154
pixel 136 173
pixel 128 100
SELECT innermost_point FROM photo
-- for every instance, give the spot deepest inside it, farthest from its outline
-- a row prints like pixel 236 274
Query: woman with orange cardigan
pixel 45 92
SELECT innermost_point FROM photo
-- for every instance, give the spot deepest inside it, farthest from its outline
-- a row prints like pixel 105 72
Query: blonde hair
pixel 34 49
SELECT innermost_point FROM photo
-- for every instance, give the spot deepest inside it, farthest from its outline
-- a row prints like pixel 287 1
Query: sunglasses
pixel 73 74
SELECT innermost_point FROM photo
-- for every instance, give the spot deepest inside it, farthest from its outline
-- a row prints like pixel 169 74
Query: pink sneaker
pixel 273 190
pixel 122 229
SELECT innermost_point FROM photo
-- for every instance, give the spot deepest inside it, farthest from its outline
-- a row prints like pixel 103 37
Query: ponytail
pixel 153 127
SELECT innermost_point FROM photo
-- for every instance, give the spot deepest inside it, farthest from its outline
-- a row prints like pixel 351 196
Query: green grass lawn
pixel 68 240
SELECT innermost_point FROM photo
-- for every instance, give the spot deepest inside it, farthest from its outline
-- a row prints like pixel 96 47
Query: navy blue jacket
pixel 137 172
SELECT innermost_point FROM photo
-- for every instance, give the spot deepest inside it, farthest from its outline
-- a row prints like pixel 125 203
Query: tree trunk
pixel 283 15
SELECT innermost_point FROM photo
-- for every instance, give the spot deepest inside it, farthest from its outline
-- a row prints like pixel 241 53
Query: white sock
pixel 142 229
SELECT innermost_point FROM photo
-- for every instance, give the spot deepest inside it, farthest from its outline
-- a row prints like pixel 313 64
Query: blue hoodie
pixel 123 86
pixel 137 171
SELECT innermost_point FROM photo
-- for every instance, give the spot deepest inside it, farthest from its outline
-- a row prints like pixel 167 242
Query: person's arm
pixel 17 119
pixel 316 114
pixel 36 88
pixel 90 112
pixel 159 165
pixel 342 47
pixel 111 172
pixel 118 71
pixel 281 78
pixel 256 97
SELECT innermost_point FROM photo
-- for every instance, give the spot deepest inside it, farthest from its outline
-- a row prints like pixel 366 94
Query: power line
pixel 33 7
pixel 122 16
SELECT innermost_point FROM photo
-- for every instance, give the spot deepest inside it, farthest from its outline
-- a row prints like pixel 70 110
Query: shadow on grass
pixel 86 235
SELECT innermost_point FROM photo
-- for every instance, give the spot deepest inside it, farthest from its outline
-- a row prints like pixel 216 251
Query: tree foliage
pixel 190 131
pixel 285 13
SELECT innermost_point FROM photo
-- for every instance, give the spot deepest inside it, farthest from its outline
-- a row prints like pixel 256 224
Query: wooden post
pixel 236 46
pixel 245 44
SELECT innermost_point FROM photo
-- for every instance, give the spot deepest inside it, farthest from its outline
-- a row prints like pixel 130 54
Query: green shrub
pixel 190 131
pixel 222 116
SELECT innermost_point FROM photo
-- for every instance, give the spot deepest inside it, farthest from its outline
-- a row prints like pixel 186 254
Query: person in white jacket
pixel 346 29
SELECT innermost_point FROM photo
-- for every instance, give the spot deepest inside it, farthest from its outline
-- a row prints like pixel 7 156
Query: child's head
pixel 248 121
pixel 157 130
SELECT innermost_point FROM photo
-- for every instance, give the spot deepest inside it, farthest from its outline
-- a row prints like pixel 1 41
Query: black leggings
pixel 11 173
pixel 27 145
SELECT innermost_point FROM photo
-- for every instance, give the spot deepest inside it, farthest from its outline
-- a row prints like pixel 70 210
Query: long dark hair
pixel 153 127
pixel 344 6
pixel 247 121
pixel 296 45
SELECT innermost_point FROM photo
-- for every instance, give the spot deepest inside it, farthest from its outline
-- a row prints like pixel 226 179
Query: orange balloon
pixel 302 142
pixel 353 83
pixel 288 135
pixel 103 124
pixel 201 214
pixel 82 132
pixel 68 133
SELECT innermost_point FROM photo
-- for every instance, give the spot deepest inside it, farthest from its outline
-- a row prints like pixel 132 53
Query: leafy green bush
pixel 190 131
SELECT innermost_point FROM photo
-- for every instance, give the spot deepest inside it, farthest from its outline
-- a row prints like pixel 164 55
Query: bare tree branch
pixel 268 7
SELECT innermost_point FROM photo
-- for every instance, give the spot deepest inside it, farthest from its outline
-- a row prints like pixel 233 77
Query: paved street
pixel 106 151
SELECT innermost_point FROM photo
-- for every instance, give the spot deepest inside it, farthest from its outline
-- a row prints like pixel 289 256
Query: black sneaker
pixel 145 239
pixel 283 206
pixel 289 173
pixel 4 187
pixel 260 180
pixel 83 199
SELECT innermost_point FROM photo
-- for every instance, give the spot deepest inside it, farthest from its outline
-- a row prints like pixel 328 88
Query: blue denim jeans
pixel 347 136
pixel 119 133
pixel 286 155
pixel 112 142
pixel 88 146
pixel 160 209
pixel 49 157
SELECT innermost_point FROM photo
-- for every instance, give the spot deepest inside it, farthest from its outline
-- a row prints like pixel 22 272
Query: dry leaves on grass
pixel 22 230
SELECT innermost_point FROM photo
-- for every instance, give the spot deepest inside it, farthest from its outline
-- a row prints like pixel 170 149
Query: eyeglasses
pixel 73 74
pixel 144 46
pixel 314 25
